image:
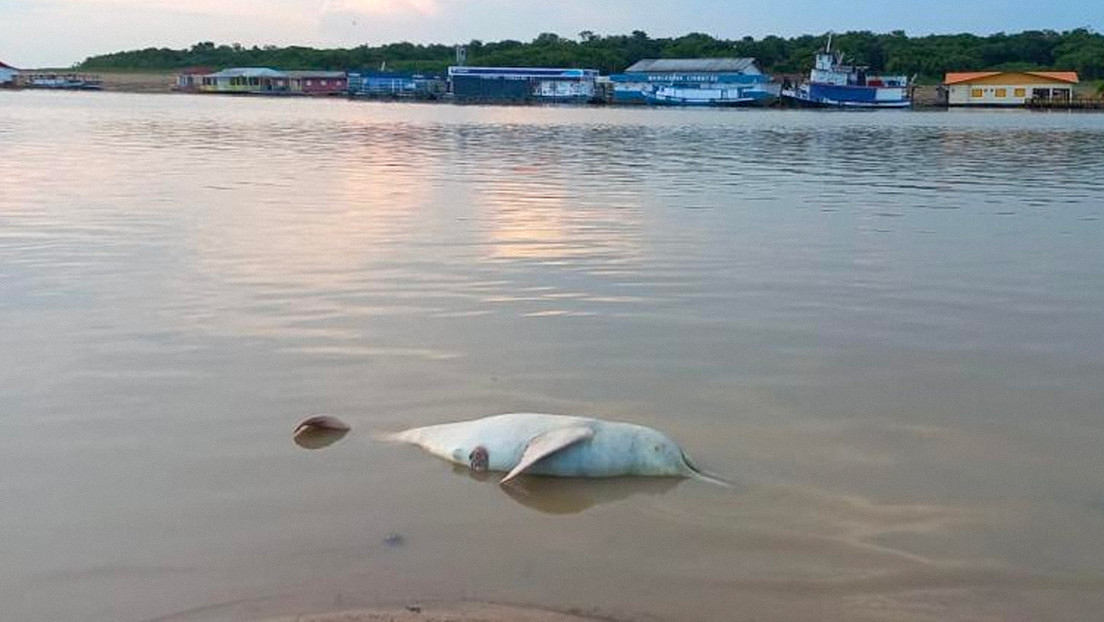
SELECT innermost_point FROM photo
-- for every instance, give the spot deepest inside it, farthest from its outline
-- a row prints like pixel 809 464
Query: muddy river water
pixel 886 329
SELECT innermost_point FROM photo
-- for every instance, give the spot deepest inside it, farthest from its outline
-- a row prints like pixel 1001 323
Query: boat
pixel 742 95
pixel 832 84
pixel 68 81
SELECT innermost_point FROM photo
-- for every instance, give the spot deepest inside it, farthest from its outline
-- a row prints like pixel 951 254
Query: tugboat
pixel 833 84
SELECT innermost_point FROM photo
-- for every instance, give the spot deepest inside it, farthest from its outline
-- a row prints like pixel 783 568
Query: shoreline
pixel 163 82
pixel 925 97
pixel 468 611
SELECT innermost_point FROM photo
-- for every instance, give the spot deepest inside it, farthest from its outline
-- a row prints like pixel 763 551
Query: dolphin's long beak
pixel 319 431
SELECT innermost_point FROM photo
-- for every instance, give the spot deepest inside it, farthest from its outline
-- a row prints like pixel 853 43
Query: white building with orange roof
pixel 1008 88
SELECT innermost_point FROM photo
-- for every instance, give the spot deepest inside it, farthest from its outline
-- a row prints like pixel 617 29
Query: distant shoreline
pixel 925 97
pixel 163 82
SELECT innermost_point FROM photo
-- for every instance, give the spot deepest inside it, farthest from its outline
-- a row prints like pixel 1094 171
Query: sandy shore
pixel 461 612
pixel 137 82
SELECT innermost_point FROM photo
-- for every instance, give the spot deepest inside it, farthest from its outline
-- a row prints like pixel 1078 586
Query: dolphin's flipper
pixel 547 444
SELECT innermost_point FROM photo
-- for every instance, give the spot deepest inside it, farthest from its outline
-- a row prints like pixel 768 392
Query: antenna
pixel 829 48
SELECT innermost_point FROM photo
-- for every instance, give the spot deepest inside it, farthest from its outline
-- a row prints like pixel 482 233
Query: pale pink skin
pixel 497 444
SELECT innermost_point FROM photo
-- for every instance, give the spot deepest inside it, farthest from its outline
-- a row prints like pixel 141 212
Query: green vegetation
pixel 928 57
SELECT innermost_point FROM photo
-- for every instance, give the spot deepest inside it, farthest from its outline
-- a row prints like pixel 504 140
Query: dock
pixel 1077 103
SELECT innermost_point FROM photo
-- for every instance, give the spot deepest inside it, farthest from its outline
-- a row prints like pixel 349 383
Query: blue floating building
pixel 522 84
pixel 694 82
pixel 388 85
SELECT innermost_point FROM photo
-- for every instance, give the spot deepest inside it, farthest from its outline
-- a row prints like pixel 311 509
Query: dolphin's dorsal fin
pixel 547 444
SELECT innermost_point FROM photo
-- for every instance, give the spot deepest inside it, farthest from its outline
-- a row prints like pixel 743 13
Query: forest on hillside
pixel 928 57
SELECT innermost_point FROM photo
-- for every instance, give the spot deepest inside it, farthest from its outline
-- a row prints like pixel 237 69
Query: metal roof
pixel 709 65
pixel 314 74
pixel 248 72
pixel 4 65
pixel 970 76
pixel 553 72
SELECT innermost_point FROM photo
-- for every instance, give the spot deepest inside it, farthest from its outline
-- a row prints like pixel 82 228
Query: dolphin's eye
pixel 479 459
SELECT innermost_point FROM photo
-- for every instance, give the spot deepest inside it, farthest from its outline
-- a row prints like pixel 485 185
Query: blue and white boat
pixel 833 84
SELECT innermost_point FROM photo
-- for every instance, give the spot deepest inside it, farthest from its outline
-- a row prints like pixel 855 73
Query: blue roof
pixel 697 65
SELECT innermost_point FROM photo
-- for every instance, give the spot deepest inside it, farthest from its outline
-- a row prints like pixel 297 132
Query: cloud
pixel 256 9
pixel 425 8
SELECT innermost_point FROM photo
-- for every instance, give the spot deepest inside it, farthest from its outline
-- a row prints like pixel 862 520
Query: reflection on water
pixel 559 495
pixel 888 328
pixel 552 495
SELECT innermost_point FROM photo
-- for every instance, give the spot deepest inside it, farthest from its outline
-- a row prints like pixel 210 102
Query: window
pixel 1002 92
pixel 977 93
pixel 1020 92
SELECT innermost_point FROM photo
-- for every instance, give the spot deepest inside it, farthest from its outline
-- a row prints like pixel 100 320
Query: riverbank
pixel 138 81
pixel 461 612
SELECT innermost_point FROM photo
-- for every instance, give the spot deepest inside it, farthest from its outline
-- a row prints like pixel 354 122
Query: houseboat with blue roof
pixel 714 82
pixel 394 85
pixel 832 84
pixel 522 84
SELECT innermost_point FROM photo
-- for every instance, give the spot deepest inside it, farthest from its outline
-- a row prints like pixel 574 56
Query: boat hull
pixel 707 103
pixel 711 98
pixel 839 96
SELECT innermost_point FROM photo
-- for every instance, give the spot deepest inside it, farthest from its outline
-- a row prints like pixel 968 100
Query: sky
pixel 59 33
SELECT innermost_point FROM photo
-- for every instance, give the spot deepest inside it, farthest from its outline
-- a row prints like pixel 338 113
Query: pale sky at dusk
pixel 36 33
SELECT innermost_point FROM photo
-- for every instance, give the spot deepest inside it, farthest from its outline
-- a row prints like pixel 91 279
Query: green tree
pixel 930 56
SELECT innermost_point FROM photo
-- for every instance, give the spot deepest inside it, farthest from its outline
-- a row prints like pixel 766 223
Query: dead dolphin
pixel 555 445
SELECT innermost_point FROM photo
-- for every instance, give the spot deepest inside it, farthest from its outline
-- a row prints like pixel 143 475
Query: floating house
pixel 391 85
pixel 245 80
pixel 8 74
pixel 693 82
pixel 1008 88
pixel 317 82
pixel 191 79
pixel 522 84
pixel 266 81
